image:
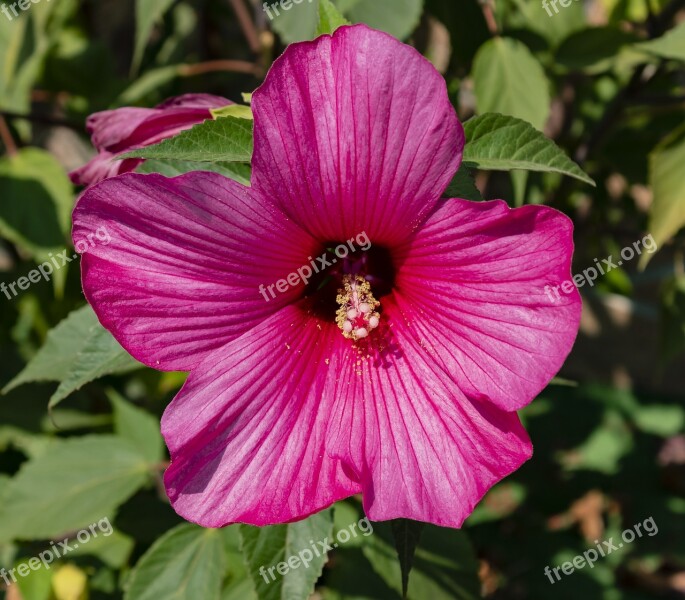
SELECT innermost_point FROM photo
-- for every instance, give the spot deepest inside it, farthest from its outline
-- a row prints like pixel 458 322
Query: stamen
pixel 357 315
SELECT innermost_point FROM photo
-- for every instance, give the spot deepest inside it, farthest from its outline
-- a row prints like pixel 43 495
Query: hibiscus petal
pixel 172 117
pixel 355 132
pixel 109 129
pixel 207 101
pixel 291 417
pixel 421 449
pixel 473 281
pixel 101 167
pixel 247 433
pixel 123 129
pixel 181 271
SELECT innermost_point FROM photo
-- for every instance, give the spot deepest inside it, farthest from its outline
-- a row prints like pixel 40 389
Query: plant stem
pixel 6 137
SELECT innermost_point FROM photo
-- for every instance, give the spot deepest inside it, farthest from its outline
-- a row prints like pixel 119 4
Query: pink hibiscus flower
pixel 288 409
pixel 115 132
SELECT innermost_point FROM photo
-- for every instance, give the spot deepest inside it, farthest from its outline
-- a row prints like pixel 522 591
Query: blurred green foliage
pixel 600 81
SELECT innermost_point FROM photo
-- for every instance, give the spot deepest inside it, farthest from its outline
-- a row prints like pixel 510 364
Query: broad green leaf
pixel 501 143
pixel 329 18
pixel 149 82
pixel 508 79
pixel 228 139
pixel 11 35
pixel 670 45
pixel 78 482
pixel 667 213
pixel 239 172
pixel 296 24
pixel 501 501
pixel 266 547
pixel 463 186
pixel 148 13
pixel 664 420
pixel 67 419
pixel 673 318
pixel 593 50
pixel 233 110
pixel 137 426
pixel 36 199
pixel 37 585
pixel 407 534
pixel 399 18
pixel 113 549
pixel 237 583
pixel 554 23
pixel 30 444
pixel 24 44
pixel 77 351
pixel 604 448
pixel 186 563
pixel 445 566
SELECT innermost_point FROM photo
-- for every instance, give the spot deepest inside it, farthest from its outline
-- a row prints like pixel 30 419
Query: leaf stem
pixel 237 66
pixel 246 24
pixel 6 137
pixel 489 14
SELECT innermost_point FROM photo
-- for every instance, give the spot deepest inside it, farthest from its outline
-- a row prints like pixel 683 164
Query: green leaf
pixel 399 18
pixel 407 534
pixel 138 427
pixel 78 482
pixel 237 584
pixel 593 50
pixel 186 563
pixel 463 186
pixel 32 184
pixel 37 585
pixel 329 18
pixel 671 45
pixel 149 82
pixel 508 79
pixel 24 43
pixel 673 318
pixel 239 111
pixel 77 351
pixel 667 212
pixel 148 13
pixel 240 172
pixel 296 24
pixel 554 25
pixel 444 568
pixel 604 449
pixel 228 139
pixel 113 549
pixel 396 17
pixel 501 143
pixel 664 420
pixel 269 546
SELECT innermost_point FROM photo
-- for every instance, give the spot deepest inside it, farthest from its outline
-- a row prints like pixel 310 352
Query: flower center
pixel 342 291
pixel 357 315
